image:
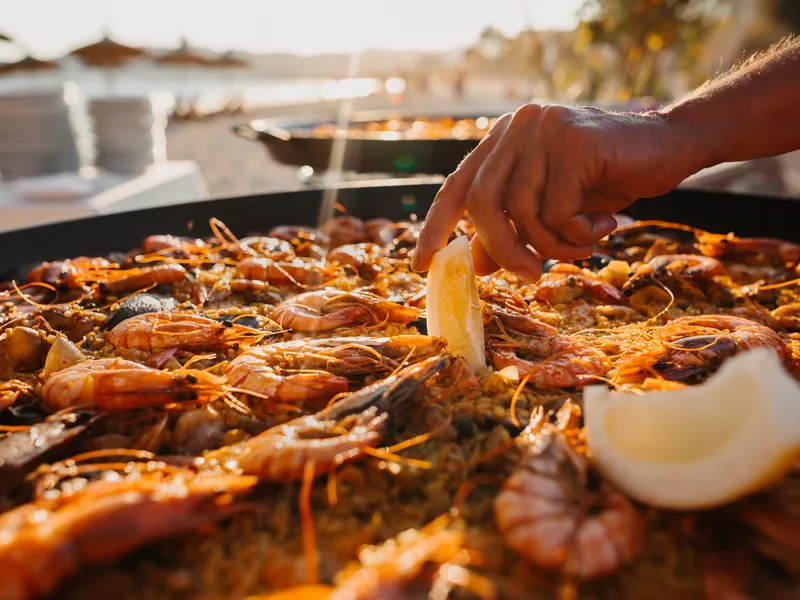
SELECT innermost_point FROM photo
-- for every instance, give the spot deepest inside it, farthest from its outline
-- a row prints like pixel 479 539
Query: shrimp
pixel 374 228
pixel 788 316
pixel 565 283
pixel 115 383
pixel 296 272
pixel 319 369
pixel 334 435
pixel 638 241
pixel 361 257
pixel 306 242
pixel 67 273
pixel 111 280
pixel 295 234
pixel 116 282
pixel 327 309
pixel 391 569
pixel 692 274
pixel 398 239
pixel 539 352
pixel 696 345
pixel 264 247
pixel 344 230
pixel 549 513
pixel 154 332
pixel 170 245
pixel 753 251
pixel 47 540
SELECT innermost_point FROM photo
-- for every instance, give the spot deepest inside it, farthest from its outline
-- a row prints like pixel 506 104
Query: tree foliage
pixel 642 33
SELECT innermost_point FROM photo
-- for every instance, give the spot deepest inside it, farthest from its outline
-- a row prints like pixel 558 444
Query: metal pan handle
pixel 245 131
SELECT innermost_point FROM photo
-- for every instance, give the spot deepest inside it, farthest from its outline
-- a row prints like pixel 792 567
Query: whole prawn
pixel 538 351
pixel 334 435
pixel 47 540
pixel 753 251
pixel 364 258
pixel 68 273
pixel 116 383
pixel 324 310
pixel 548 513
pixel 155 332
pixel 694 346
pixel 297 272
pixel 319 369
pixel 565 283
pixel 690 274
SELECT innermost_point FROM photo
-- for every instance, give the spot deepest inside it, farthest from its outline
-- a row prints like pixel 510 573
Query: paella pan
pixel 221 400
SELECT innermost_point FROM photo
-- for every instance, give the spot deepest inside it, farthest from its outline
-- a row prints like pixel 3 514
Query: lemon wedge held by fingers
pixel 700 446
pixel 453 305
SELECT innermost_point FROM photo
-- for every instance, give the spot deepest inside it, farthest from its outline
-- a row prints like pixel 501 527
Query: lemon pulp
pixel 699 446
pixel 453 305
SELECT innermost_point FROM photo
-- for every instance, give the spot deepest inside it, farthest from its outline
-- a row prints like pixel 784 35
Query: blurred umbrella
pixel 28 64
pixel 107 54
pixel 183 56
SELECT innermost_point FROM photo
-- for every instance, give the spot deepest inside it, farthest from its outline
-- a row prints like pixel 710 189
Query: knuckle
pixel 450 188
pixel 503 120
pixel 528 112
pixel 554 117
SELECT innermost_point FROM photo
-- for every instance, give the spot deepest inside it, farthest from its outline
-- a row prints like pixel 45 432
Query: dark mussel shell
pixel 26 410
pixel 421 324
pixel 138 304
pixel 250 321
pixel 595 261
pixel 649 233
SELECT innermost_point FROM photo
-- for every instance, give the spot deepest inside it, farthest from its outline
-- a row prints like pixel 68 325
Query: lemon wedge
pixel 453 306
pixel 699 446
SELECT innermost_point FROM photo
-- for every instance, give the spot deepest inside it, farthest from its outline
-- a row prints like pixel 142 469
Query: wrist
pixel 694 146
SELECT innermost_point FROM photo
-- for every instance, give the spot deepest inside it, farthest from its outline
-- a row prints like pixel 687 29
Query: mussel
pixel 138 304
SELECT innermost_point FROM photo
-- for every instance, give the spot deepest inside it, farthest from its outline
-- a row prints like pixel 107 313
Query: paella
pixel 269 416
pixel 422 128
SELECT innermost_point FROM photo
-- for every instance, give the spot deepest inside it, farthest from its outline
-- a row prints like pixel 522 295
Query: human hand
pixel 549 178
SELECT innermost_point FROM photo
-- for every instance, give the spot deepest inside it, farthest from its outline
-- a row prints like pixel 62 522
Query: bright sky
pixel 48 28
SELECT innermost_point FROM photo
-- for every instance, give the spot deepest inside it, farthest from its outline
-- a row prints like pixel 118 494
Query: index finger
pixel 450 202
pixel 485 202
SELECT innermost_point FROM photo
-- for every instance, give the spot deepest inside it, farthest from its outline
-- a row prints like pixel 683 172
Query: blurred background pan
pixel 295 142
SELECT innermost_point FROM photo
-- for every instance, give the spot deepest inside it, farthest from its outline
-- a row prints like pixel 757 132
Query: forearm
pixel 751 112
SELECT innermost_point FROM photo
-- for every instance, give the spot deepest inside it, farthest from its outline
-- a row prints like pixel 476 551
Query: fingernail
pixel 602 225
pixel 529 276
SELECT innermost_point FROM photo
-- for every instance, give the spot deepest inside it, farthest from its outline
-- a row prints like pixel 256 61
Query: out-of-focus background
pixel 112 104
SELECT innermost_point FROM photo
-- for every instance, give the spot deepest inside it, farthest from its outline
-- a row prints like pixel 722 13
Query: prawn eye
pixel 191 379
